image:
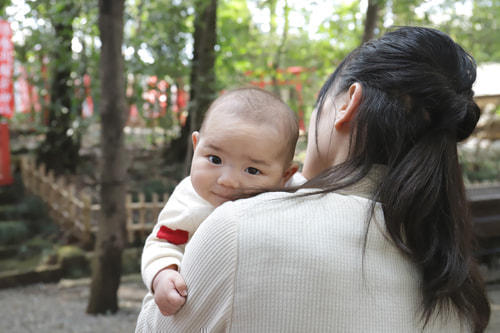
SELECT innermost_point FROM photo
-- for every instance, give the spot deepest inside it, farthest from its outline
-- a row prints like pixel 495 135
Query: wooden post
pixel 71 203
pixel 142 210
pixel 155 205
pixel 23 172
pixel 130 218
pixel 49 195
pixel 86 216
pixel 40 173
pixel 34 177
pixel 61 201
pixel 30 174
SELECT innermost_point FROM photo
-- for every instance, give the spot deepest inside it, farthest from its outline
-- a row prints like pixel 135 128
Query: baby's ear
pixel 195 138
pixel 292 169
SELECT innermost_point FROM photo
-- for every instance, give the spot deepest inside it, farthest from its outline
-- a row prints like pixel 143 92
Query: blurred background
pixel 98 100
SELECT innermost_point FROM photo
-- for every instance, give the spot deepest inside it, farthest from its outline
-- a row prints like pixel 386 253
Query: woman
pixel 378 240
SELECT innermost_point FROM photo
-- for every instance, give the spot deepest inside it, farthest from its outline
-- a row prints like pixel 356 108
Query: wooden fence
pixel 74 210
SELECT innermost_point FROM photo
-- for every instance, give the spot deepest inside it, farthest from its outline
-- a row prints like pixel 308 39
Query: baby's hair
pixel 262 107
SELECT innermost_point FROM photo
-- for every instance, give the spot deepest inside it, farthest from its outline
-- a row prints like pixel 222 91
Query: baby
pixel 247 141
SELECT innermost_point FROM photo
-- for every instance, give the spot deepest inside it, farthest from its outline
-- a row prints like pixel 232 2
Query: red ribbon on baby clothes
pixel 177 237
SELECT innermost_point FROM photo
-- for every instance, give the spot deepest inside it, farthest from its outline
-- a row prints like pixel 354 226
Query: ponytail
pixel 426 215
pixel 417 104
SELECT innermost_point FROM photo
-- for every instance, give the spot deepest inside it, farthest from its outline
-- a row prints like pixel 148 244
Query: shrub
pixel 12 232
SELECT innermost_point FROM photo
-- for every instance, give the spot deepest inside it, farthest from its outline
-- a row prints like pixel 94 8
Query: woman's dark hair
pixel 417 103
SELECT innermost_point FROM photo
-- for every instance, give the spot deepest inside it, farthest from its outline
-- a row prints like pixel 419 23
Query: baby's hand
pixel 170 291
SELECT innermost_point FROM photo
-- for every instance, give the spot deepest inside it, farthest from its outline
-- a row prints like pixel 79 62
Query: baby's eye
pixel 253 171
pixel 214 159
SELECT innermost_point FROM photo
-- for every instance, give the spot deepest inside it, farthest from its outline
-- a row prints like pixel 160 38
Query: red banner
pixel 5 174
pixel 6 70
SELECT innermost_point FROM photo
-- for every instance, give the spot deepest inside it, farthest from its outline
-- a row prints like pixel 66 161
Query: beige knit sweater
pixel 278 263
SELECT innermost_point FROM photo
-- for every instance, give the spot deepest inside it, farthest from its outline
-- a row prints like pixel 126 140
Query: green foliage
pixel 3 5
pixel 238 50
pixel 12 232
pixel 8 212
pixel 483 40
pixel 21 263
pixel 481 171
pixel 46 52
pixel 153 186
pixel 248 50
pixel 73 261
pixel 160 30
pixel 480 164
pixel 404 12
pixel 36 247
pixel 131 259
pixel 340 34
pixel 252 36
pixel 32 208
pixel 67 251
pixel 33 211
pixel 473 24
pixel 36 50
pixel 12 194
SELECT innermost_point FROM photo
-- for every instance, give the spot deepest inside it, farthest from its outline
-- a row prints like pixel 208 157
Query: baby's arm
pixel 164 247
pixel 158 254
pixel 209 269
pixel 170 291
pixel 160 261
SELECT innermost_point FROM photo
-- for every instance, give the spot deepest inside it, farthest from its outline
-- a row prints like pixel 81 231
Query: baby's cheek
pixel 272 182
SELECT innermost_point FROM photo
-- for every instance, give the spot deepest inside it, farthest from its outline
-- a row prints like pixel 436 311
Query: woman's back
pixel 286 265
pixel 302 268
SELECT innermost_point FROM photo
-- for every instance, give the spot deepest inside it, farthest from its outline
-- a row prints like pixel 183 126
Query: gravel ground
pixel 60 308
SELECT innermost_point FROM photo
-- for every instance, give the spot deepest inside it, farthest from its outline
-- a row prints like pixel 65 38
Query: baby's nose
pixel 228 179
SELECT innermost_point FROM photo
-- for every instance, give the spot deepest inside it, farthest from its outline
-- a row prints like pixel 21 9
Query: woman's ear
pixel 195 138
pixel 348 110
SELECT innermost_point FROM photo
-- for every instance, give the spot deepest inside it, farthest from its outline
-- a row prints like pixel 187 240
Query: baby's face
pixel 233 154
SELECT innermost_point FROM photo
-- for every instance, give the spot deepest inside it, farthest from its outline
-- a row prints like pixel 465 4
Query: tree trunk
pixel 276 62
pixel 111 235
pixel 59 151
pixel 371 20
pixel 203 84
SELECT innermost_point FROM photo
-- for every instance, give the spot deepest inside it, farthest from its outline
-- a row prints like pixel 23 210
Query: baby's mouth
pixel 225 196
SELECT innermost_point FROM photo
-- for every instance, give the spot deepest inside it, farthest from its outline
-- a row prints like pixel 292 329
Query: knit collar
pixel 367 186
